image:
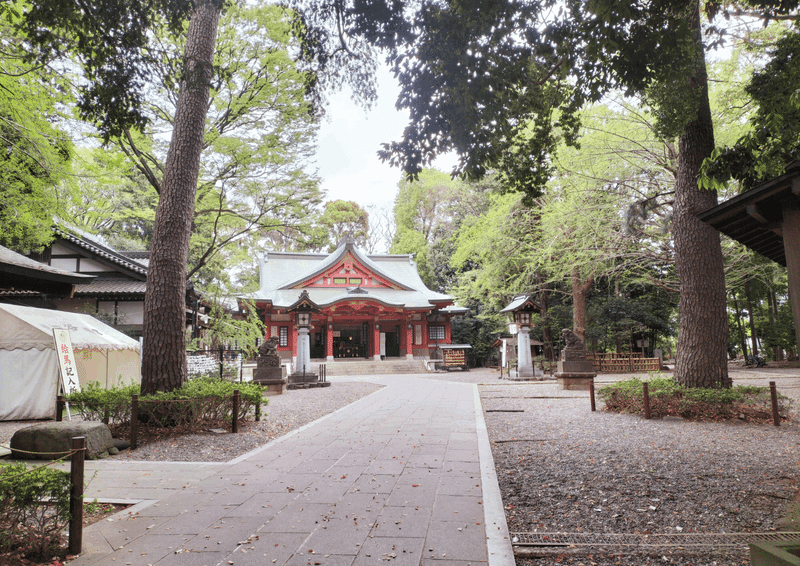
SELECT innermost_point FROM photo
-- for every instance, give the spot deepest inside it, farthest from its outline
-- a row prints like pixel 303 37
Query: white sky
pixel 349 140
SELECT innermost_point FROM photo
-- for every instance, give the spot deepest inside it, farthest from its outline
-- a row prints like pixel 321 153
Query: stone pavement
pixel 403 476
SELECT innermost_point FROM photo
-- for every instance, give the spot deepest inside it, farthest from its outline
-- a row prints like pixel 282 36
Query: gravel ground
pixel 564 469
pixel 284 413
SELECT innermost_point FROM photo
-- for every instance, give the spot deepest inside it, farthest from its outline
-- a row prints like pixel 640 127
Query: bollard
pixel 773 392
pixel 646 392
pixel 134 421
pixel 591 393
pixel 59 408
pixel 235 423
pixel 76 495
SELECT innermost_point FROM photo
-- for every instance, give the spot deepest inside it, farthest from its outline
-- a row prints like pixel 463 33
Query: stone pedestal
pixel 575 372
pixel 524 360
pixel 303 364
pixel 269 373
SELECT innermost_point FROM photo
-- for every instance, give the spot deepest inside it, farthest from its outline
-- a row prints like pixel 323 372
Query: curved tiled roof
pixel 112 287
pixel 96 246
pixel 282 272
pixel 25 265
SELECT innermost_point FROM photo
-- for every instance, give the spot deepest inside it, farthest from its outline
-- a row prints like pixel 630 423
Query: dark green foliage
pixel 112 40
pixel 668 397
pixel 772 142
pixel 34 511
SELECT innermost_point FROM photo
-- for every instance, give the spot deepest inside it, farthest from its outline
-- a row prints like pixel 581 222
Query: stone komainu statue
pixel 268 353
pixel 572 340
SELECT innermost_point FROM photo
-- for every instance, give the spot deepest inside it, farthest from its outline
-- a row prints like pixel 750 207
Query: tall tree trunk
pixel 579 291
pixel 701 357
pixel 753 337
pixel 164 350
pixel 739 324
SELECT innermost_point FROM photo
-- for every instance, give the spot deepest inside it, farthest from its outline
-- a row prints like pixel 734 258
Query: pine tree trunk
pixel 579 291
pixel 701 357
pixel 164 349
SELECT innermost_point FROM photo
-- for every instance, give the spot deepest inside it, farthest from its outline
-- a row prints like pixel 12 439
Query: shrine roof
pixel 285 274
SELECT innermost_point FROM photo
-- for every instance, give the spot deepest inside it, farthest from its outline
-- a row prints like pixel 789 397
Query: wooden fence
pixel 626 362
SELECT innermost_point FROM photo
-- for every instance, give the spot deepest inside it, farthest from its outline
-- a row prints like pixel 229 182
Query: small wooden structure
pixel 454 356
pixel 626 362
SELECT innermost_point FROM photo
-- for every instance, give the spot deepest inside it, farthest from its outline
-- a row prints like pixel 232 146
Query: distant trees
pixel 340 219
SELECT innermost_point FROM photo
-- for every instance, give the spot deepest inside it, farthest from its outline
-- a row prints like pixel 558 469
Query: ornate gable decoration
pixel 347 273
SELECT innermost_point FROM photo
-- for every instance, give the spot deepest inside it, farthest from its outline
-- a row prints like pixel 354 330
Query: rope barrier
pixel 41 453
pixel 31 470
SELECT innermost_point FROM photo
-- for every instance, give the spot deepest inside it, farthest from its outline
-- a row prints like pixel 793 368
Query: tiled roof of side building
pixel 99 247
pixel 10 260
pixel 111 287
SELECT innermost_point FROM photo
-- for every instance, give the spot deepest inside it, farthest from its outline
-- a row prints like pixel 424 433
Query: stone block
pixel 575 366
pixel 574 383
pixel 54 439
pixel 269 373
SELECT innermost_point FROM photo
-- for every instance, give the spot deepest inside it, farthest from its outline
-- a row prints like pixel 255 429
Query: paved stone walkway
pixel 403 476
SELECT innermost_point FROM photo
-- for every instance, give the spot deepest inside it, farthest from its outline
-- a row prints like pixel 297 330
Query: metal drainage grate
pixel 696 541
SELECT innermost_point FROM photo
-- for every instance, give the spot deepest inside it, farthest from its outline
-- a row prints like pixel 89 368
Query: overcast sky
pixel 349 140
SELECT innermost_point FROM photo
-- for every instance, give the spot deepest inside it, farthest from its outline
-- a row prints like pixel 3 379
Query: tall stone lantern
pixel 520 309
pixel 303 309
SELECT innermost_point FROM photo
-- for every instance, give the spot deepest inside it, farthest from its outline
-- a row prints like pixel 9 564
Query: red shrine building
pixel 365 306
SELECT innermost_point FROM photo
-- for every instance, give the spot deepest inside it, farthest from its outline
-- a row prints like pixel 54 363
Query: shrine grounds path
pixel 403 475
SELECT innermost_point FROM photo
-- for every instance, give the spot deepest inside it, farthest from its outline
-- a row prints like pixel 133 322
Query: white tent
pixel 29 379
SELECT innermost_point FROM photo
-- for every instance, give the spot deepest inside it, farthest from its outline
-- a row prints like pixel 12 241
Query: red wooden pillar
pixel 293 340
pixel 267 327
pixel 447 337
pixel 409 334
pixel 329 340
pixel 376 341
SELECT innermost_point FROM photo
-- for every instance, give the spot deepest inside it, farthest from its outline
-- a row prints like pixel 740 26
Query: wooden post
pixel 59 408
pixel 134 421
pixel 591 393
pixel 235 423
pixel 773 392
pixel 646 392
pixel 76 495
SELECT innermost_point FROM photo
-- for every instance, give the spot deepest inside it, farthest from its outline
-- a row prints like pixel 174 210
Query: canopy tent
pixel 29 366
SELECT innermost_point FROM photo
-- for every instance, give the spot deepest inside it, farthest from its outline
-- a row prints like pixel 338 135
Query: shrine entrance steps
pixel 370 367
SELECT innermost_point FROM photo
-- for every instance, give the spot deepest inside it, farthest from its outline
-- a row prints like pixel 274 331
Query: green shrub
pixel 199 402
pixel 34 511
pixel 668 397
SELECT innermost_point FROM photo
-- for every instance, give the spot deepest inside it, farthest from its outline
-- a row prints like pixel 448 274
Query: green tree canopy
pixel 35 154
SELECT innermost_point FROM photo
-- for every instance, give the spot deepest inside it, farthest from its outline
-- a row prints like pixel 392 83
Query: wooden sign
pixel 66 361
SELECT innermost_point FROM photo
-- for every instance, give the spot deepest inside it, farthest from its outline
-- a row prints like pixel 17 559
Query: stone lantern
pixel 303 309
pixel 521 308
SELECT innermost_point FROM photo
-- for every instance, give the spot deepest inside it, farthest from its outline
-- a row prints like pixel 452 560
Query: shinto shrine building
pixel 369 306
